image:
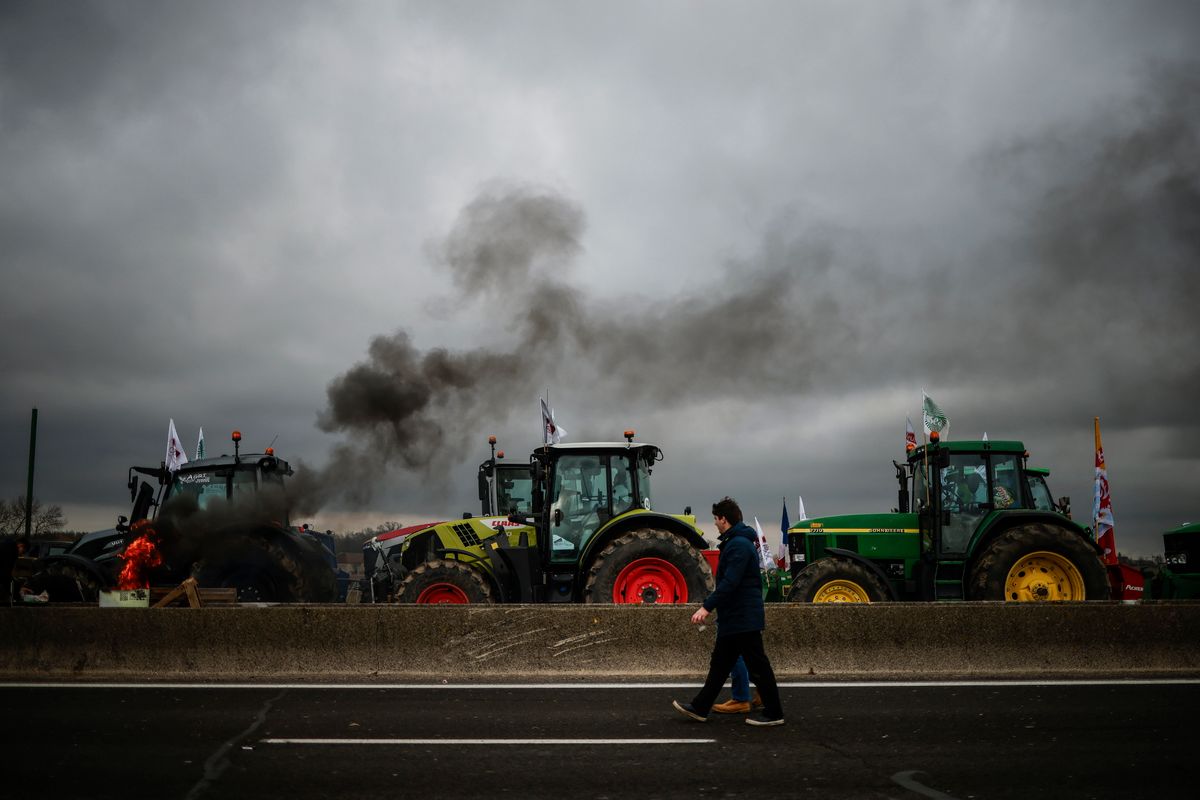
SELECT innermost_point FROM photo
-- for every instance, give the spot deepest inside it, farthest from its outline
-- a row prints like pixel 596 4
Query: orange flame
pixel 140 556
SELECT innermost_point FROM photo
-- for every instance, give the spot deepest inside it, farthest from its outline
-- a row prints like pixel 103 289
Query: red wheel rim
pixel 443 593
pixel 650 580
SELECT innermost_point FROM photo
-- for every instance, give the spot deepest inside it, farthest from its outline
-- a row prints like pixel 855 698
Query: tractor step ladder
pixel 948 580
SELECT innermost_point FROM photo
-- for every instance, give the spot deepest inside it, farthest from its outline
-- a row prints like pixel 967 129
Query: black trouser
pixel 749 646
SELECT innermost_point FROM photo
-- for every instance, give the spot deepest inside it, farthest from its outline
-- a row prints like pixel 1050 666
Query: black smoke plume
pixel 1101 251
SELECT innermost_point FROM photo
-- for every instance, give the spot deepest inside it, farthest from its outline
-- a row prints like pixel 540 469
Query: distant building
pixel 352 564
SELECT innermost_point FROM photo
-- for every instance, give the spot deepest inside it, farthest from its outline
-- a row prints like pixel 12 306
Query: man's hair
pixel 728 508
pixel 23 540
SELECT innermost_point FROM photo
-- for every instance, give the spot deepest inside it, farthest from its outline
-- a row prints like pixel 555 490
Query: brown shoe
pixel 755 700
pixel 732 707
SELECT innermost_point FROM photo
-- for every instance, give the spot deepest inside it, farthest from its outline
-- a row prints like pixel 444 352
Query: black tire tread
pixel 643 543
pixel 476 587
pixel 988 573
pixel 824 570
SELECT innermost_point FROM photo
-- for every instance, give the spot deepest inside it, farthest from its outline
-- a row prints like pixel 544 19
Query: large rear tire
pixel 1038 562
pixel 837 580
pixel 443 581
pixel 267 569
pixel 648 566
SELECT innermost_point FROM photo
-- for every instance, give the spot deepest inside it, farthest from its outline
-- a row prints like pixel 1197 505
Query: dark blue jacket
pixel 738 598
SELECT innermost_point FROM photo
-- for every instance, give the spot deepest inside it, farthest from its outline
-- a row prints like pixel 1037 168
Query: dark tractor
pixel 973 522
pixel 589 535
pixel 221 520
pixel 1179 576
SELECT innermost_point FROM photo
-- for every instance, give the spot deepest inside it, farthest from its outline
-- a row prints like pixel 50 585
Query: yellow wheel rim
pixel 841 591
pixel 1042 577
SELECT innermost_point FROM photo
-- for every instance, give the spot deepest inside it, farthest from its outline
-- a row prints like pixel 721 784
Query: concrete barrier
pixel 495 643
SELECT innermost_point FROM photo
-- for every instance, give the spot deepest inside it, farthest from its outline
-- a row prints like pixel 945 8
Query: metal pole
pixel 29 485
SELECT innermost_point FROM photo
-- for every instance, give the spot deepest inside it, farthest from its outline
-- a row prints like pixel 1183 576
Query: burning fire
pixel 140 556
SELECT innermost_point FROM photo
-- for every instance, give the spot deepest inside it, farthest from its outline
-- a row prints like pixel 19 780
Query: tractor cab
pixel 955 485
pixel 244 480
pixel 578 488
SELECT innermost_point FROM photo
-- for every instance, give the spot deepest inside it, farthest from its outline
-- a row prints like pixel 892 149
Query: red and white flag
pixel 175 458
pixel 552 433
pixel 1102 516
pixel 910 436
pixel 765 560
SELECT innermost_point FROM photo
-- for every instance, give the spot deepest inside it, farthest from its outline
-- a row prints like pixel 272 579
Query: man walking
pixel 740 622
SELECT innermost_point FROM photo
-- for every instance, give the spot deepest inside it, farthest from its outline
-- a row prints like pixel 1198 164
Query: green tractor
pixel 973 522
pixel 590 536
pixel 1179 576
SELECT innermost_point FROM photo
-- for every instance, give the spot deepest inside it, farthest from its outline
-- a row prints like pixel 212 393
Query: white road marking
pixel 576 685
pixel 424 742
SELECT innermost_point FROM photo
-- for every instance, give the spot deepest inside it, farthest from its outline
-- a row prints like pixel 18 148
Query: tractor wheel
pixel 443 581
pixel 1038 562
pixel 67 583
pixel 837 580
pixel 648 566
pixel 264 569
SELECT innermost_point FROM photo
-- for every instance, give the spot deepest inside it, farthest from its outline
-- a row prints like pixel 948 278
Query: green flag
pixel 935 418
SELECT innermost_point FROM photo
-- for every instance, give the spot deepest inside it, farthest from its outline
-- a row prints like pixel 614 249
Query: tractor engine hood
pixel 858 523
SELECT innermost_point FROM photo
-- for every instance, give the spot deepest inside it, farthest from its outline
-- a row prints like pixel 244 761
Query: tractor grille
pixel 466 533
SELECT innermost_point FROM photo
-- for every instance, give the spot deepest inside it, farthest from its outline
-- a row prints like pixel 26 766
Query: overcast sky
pixel 375 233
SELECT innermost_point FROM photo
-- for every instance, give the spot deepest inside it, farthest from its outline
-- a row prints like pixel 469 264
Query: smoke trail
pixel 816 309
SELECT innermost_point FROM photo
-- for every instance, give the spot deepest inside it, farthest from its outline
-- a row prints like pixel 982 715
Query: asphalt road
pixel 902 741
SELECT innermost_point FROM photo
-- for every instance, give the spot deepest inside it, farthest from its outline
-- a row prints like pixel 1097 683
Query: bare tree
pixel 46 519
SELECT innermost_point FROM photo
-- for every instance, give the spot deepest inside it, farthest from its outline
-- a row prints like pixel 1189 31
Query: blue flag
pixel 784 524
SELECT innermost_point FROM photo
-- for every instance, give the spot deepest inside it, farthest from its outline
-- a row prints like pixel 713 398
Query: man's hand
pixel 700 615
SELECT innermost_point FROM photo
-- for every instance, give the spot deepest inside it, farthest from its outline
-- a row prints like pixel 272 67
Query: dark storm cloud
pixel 1107 244
pixel 794 210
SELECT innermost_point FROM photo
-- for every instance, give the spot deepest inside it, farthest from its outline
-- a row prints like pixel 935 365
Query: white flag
pixel 176 458
pixel 551 432
pixel 800 508
pixel 935 419
pixel 985 436
pixel 764 548
pixel 200 446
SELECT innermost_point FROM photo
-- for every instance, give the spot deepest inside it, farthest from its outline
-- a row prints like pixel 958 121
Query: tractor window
pixel 514 490
pixel 621 474
pixel 209 486
pixel 920 486
pixel 1039 492
pixel 963 494
pixel 643 482
pixel 580 498
pixel 1006 488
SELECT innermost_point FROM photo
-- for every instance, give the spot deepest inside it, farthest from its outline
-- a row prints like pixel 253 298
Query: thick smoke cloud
pixel 1104 256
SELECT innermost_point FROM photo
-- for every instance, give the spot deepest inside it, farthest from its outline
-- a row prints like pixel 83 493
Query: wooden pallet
pixel 195 596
